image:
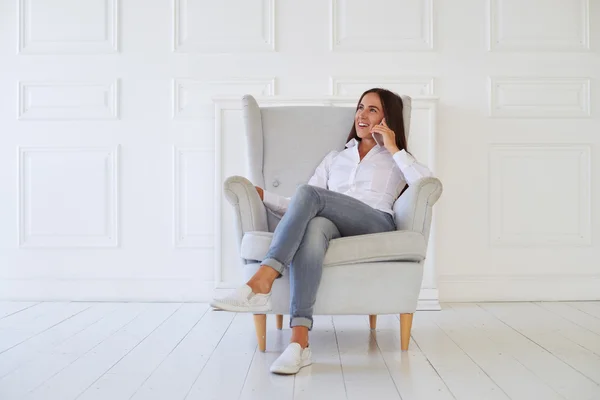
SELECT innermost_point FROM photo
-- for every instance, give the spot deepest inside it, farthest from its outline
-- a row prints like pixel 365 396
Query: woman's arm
pixel 410 167
pixel 275 202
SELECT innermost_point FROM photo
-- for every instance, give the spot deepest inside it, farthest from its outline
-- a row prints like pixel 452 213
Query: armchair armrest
pixel 413 209
pixel 249 211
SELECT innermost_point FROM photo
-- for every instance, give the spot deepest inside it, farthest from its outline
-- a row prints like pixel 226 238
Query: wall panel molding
pixel 540 195
pixel 139 289
pixel 192 97
pixel 555 29
pixel 191 207
pixel 513 287
pixel 251 38
pixel 412 26
pixel 539 97
pixel 49 100
pixel 408 85
pixel 68 197
pixel 51 36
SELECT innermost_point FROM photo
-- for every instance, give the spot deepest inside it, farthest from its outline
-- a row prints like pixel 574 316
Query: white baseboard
pixel 428 300
pixel 452 288
pixel 142 290
pixel 564 287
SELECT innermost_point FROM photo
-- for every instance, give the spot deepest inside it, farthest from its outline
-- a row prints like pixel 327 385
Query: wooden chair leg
pixel 373 321
pixel 405 326
pixel 260 324
pixel 279 321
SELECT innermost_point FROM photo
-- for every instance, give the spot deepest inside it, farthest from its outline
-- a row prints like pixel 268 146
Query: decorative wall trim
pixel 182 236
pixel 429 300
pixel 109 44
pixel 49 100
pixel 579 156
pixel 182 88
pixel 264 43
pixel 422 42
pixel 500 38
pixel 538 287
pixel 452 288
pixel 539 97
pixel 147 289
pixel 408 85
pixel 109 183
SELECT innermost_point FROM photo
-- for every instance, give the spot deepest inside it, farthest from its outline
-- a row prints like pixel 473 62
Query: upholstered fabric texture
pixel 356 289
pixel 388 246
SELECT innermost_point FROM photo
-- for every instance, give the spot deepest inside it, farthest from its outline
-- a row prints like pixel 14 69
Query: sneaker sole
pixel 229 307
pixel 290 370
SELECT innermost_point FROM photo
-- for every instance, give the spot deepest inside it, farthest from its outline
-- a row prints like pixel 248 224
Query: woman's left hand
pixel 389 137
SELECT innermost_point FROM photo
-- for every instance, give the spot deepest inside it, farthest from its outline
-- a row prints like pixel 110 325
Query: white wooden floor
pixel 169 351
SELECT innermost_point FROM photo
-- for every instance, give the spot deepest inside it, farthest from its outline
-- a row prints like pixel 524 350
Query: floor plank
pixel 151 351
pixel 22 326
pixel 590 307
pixel 411 371
pixel 464 378
pixel 528 335
pixel 174 378
pixel 54 359
pixel 324 378
pixel 514 378
pixel 35 346
pixel 365 373
pixel 8 308
pixel 260 384
pixel 224 374
pixel 79 375
pixel 124 378
pixel 571 329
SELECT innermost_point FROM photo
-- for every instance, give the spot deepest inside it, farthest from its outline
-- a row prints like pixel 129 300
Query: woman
pixel 352 192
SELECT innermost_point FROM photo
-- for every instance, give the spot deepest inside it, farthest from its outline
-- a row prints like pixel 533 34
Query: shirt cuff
pixel 270 199
pixel 403 159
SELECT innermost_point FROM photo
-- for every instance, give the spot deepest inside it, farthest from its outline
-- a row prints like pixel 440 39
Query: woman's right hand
pixel 261 192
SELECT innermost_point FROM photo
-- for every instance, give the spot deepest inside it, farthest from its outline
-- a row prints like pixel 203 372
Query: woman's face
pixel 368 114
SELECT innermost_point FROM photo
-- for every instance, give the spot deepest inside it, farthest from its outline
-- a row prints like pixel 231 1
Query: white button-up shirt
pixel 377 179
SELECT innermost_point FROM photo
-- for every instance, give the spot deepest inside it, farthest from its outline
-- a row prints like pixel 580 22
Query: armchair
pixel 285 144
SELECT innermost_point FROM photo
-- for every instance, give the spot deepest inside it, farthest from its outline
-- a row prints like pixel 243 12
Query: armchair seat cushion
pixel 387 246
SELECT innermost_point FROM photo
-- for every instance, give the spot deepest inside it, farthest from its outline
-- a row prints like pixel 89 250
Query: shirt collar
pixel 353 142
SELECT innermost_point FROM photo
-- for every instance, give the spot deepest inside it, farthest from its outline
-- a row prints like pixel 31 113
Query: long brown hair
pixel 392 112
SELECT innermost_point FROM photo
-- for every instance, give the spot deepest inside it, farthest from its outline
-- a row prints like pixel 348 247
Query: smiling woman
pixel 350 193
pixel 379 113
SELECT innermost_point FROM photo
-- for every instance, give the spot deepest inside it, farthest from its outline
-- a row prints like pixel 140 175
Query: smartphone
pixel 378 136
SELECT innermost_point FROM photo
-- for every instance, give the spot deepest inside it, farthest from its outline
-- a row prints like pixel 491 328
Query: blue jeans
pixel 313 218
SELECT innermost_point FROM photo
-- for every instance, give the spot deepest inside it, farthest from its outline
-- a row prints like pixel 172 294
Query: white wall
pixel 107 133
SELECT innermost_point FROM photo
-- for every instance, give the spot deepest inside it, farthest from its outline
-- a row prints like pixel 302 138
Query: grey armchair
pixel 285 144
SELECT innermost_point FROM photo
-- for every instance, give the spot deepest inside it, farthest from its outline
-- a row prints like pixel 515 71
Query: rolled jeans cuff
pixel 276 265
pixel 301 321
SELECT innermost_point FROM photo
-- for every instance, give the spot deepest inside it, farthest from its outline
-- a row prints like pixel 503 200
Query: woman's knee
pixel 306 191
pixel 320 228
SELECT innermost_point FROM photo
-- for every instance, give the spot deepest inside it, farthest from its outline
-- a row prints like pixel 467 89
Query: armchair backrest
pixel 287 143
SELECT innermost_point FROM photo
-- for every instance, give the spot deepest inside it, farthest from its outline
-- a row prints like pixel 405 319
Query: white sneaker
pixel 291 360
pixel 244 300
